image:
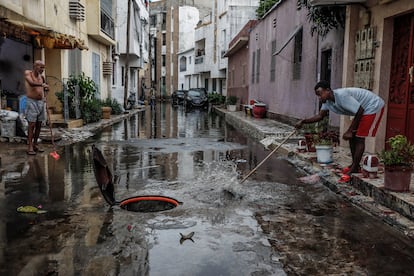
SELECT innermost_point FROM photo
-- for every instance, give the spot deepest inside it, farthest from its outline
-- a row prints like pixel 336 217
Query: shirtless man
pixel 35 103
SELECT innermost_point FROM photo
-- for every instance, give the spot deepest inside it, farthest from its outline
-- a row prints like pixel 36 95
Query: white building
pixel 186 77
pixel 138 48
pixel 212 36
pixel 189 17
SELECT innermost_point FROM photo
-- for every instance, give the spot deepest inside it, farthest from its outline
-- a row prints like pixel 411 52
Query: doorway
pixel 401 90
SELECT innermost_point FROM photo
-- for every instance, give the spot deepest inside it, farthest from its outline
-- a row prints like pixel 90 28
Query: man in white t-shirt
pixel 366 107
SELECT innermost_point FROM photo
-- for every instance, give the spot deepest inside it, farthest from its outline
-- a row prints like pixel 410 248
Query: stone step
pixel 72 123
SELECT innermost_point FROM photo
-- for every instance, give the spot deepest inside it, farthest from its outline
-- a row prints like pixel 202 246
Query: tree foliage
pixel 322 18
pixel 265 6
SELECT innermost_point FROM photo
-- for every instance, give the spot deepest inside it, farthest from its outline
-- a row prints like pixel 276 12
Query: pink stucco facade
pixel 238 65
pixel 290 94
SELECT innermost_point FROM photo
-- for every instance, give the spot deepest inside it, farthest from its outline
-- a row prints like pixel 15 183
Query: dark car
pixel 196 98
pixel 178 96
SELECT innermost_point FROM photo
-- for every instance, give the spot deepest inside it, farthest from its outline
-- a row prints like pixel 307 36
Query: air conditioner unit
pixel 107 68
pixel 76 10
pixel 334 2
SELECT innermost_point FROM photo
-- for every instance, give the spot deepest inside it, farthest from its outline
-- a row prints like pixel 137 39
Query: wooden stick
pixel 267 157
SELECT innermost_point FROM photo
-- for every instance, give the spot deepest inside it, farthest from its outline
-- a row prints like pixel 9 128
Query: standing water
pixel 272 224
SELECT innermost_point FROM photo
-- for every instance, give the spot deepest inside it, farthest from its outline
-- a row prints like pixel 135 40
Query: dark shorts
pixel 35 110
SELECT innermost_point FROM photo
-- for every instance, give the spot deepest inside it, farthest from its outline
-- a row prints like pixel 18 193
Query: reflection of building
pixel 138 49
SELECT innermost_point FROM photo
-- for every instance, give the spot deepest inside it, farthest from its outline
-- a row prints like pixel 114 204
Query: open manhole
pixel 144 203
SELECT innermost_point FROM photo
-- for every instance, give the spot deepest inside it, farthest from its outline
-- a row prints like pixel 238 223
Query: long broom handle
pixel 267 157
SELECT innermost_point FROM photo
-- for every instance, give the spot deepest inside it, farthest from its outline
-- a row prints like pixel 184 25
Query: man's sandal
pixel 344 178
pixel 37 149
pixel 31 152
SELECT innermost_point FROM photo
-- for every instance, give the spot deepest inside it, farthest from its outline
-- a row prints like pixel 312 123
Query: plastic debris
pixel 310 179
pixel 30 209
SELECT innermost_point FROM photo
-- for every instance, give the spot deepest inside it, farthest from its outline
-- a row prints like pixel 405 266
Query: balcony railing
pixel 199 60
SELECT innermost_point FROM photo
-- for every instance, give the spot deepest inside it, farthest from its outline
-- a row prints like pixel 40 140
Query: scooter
pixel 132 100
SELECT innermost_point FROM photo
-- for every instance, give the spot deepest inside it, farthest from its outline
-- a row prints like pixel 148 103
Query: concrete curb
pixel 395 209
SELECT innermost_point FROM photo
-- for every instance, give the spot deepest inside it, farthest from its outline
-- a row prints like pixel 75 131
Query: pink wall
pixel 285 96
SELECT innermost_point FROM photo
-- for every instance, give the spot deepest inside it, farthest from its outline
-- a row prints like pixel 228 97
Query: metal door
pixel 400 117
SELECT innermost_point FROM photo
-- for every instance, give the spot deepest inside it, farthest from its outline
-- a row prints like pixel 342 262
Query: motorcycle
pixel 132 100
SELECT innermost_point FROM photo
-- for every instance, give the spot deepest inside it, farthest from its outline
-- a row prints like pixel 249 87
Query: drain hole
pixel 148 204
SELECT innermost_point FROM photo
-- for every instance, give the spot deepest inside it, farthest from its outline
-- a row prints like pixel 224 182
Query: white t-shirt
pixel 348 100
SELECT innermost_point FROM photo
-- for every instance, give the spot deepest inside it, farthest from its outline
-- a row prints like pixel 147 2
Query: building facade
pixel 213 34
pixel 137 53
pixel 70 37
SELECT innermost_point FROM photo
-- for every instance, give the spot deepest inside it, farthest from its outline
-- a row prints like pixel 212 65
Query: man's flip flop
pixel 31 152
pixel 346 170
pixel 344 178
pixel 36 149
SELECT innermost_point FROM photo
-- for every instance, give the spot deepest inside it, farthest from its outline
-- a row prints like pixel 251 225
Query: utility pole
pixel 127 55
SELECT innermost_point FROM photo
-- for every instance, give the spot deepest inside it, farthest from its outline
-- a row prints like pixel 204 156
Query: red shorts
pixel 368 125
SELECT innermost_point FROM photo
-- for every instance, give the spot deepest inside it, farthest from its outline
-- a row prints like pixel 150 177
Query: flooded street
pixel 272 224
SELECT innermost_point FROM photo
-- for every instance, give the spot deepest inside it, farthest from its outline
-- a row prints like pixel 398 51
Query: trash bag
pixel 22 126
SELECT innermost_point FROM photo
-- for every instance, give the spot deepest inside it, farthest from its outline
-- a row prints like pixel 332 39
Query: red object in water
pixel 259 110
pixel 55 155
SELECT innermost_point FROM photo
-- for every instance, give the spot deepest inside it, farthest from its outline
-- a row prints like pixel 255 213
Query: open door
pixel 400 117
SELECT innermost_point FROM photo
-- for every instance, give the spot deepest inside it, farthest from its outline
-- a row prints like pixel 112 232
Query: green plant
pixel 317 127
pixel 326 138
pixel 265 6
pixel 216 98
pixel 114 104
pixel 324 18
pixel 87 93
pixel 91 111
pixel 400 152
pixel 231 100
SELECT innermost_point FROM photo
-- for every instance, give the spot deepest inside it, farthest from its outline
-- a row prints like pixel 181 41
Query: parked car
pixel 178 96
pixel 196 97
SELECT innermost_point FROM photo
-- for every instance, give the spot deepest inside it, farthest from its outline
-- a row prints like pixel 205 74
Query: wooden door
pixel 400 117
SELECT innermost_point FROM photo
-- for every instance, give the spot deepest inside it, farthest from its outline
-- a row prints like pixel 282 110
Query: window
pixel 189 60
pixel 107 22
pixel 163 60
pixel 273 62
pixel 253 66
pixel 164 39
pixel 96 72
pixel 153 20
pixel 114 73
pixel 258 65
pixel 183 64
pixel 297 55
pixel 75 62
pixel 244 74
pixel 122 75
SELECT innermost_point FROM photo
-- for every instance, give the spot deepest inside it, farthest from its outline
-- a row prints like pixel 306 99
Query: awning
pixel 46 37
pixel 334 2
pixel 237 46
pixel 29 27
pixel 290 37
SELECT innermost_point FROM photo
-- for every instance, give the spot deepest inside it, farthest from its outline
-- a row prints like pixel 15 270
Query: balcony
pixel 100 25
pixel 199 60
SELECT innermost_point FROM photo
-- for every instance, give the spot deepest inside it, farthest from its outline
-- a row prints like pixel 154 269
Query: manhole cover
pixel 149 203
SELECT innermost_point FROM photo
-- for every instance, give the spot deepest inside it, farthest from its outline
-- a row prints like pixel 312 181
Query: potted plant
pixel 324 142
pixel 231 103
pixel 110 106
pixel 398 162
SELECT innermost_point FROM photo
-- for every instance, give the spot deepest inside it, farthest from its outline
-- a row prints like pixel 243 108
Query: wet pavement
pixel 272 224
